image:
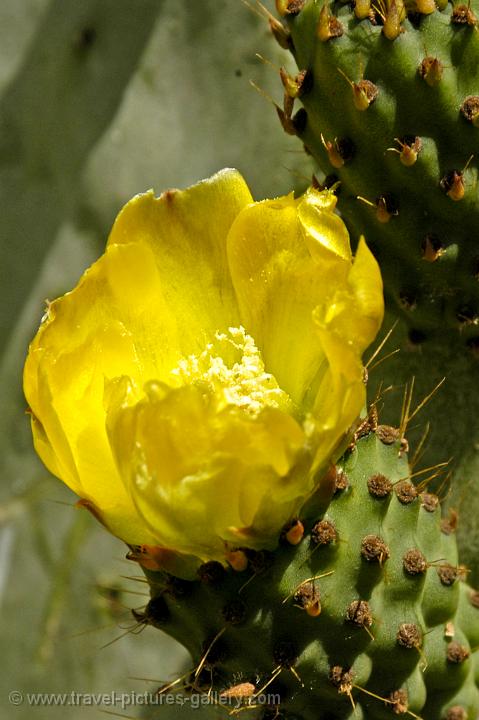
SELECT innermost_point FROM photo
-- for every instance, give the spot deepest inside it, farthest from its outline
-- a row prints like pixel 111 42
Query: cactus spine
pixel 363 611
pixel 391 109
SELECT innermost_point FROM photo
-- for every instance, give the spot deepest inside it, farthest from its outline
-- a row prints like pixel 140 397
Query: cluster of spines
pixel 428 289
pixel 389 612
pixel 389 14
pixel 364 93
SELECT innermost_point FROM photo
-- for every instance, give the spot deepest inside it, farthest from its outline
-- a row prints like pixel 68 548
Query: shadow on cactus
pixel 200 390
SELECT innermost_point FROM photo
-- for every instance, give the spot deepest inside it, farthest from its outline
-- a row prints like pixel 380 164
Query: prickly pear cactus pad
pixel 390 96
pixel 362 611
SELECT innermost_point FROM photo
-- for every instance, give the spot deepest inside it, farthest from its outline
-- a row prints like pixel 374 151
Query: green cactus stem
pixel 390 98
pixel 363 611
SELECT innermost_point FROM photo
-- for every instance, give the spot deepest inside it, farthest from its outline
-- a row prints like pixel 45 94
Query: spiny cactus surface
pixel 366 614
pixel 390 96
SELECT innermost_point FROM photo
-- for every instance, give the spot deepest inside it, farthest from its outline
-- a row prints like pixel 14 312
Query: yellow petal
pixel 366 284
pixel 277 283
pixel 325 233
pixel 347 320
pixel 81 343
pixel 350 315
pixel 200 472
pixel 311 310
pixel 160 288
pixel 186 231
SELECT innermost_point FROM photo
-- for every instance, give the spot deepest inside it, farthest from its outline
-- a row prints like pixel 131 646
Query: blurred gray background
pixel 100 100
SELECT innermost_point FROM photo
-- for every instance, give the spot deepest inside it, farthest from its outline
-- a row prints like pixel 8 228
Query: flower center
pixel 232 368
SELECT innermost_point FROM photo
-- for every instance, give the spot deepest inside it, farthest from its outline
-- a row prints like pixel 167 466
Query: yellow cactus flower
pixel 195 385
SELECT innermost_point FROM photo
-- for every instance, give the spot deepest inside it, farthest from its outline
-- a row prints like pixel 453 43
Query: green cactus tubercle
pixel 367 615
pixel 390 97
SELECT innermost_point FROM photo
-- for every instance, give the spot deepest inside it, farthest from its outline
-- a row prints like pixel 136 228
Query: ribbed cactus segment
pixel 362 612
pixel 391 110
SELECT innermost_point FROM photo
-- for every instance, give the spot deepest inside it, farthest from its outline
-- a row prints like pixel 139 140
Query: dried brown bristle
pixel 341 481
pixel 399 701
pixel 374 549
pixel 379 486
pixel 324 532
pixel 409 635
pixel 406 492
pixel 359 613
pixel 449 523
pixel 414 562
pixel 463 15
pixel 470 108
pixel 369 89
pixel 341 679
pixel 387 434
pixel 456 713
pixel 309 599
pixel 447 574
pixel 431 70
pixel 457 653
pixel 429 502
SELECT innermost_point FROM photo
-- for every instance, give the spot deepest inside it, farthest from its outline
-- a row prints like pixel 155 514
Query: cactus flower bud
pixel 195 384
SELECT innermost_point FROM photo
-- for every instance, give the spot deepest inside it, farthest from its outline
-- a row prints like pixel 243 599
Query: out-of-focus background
pixel 100 100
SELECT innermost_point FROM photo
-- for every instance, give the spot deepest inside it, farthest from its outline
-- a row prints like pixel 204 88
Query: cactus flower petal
pixel 206 367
